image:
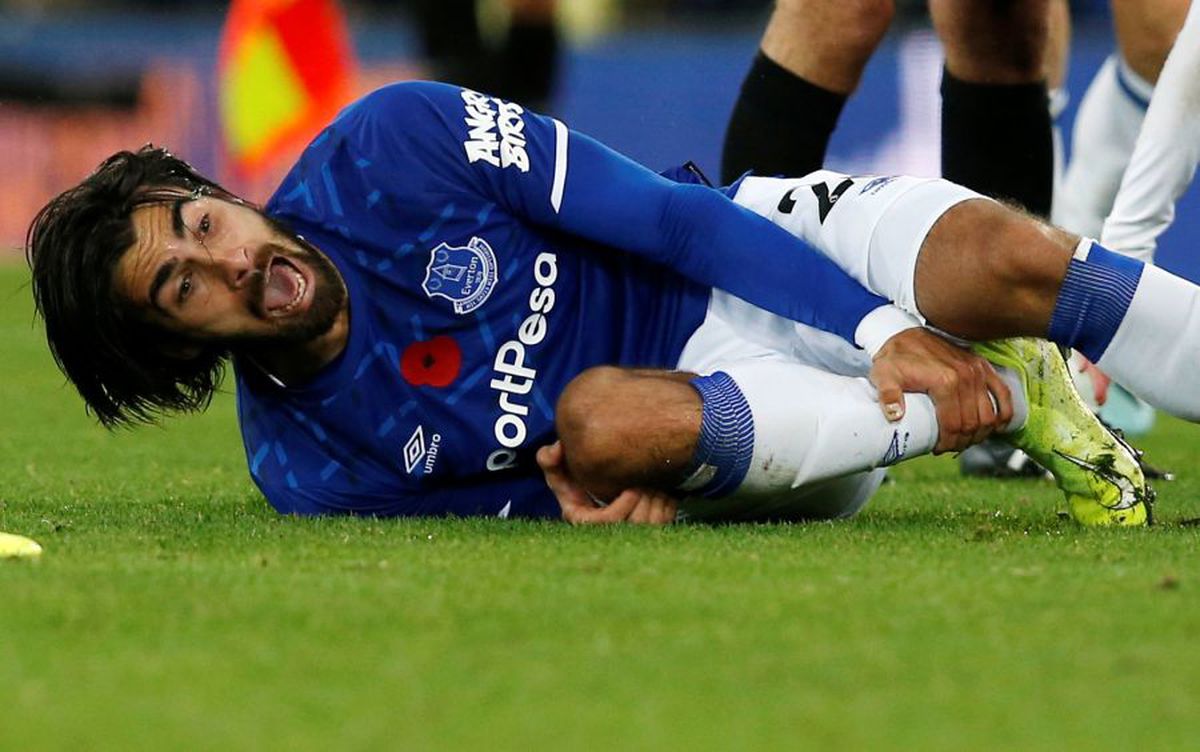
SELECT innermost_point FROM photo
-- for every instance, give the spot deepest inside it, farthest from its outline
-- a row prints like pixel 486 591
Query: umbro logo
pixel 896 449
pixel 876 184
pixel 416 450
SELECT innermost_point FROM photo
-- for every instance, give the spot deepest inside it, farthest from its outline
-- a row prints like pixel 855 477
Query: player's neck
pixel 294 365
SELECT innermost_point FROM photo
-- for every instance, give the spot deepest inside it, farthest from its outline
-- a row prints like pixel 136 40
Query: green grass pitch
pixel 173 610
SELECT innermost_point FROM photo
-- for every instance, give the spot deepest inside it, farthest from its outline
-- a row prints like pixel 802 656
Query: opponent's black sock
pixel 996 139
pixel 780 125
pixel 527 64
pixel 453 43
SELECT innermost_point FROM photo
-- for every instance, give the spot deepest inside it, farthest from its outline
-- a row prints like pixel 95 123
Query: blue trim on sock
pixel 1128 90
pixel 1092 303
pixel 726 434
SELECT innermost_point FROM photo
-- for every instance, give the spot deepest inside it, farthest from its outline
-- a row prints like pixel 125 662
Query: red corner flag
pixel 284 69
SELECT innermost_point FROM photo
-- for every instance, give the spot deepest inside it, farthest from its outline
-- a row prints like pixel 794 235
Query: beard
pixel 329 294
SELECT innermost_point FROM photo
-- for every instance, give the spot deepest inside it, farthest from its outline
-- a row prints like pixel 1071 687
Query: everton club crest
pixel 464 275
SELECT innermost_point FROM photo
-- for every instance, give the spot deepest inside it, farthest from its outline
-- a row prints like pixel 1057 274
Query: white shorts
pixel 873 228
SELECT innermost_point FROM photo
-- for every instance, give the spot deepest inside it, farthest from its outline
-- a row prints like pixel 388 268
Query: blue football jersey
pixel 491 254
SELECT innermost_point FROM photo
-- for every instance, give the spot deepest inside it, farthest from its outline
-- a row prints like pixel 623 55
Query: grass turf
pixel 172 609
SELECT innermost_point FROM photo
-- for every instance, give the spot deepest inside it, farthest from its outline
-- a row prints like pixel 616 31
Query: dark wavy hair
pixel 127 370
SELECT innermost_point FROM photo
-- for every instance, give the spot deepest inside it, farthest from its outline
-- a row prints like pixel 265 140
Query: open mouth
pixel 285 288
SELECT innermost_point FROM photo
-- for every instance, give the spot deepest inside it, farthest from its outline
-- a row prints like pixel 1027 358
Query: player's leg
pixel 1146 30
pixel 527 60
pixel 758 434
pixel 980 270
pixel 1106 127
pixel 1058 55
pixel 1111 112
pixel 996 135
pixel 811 58
pixel 766 438
pixel 987 271
pixel 1164 157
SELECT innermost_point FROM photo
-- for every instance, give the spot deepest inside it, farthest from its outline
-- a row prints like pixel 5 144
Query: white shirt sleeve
pixel 1164 159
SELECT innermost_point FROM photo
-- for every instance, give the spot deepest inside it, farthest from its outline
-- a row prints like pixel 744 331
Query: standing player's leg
pixel 1146 30
pixel 1111 111
pixel 1164 159
pixel 996 136
pixel 1058 54
pixel 1108 126
pixel 527 60
pixel 996 128
pixel 811 59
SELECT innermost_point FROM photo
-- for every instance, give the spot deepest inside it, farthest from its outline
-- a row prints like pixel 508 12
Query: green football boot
pixel 1095 468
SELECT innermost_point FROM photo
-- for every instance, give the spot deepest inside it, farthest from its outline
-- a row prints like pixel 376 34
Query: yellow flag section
pixel 285 67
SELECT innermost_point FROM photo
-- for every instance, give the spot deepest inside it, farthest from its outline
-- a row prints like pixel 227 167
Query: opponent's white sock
pixel 1106 129
pixel 1155 352
pixel 1059 99
pixel 1138 323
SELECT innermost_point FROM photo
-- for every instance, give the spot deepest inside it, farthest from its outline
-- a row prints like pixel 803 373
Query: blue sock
pixel 726 441
pixel 1093 300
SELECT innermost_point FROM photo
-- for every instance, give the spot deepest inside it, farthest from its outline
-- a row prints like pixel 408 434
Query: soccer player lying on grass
pixel 441 268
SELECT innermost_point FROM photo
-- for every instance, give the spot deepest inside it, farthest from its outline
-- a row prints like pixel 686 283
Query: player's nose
pixel 236 267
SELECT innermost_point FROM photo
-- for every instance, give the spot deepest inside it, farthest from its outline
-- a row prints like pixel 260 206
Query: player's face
pixel 216 270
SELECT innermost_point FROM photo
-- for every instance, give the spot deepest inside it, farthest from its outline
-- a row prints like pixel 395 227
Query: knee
pixel 853 27
pixel 1146 51
pixel 868 22
pixel 590 420
pixel 622 428
pixel 990 42
pixel 863 25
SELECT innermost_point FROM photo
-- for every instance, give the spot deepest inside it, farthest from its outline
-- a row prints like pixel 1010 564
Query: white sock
pixel 1106 129
pixel 811 425
pixel 1059 99
pixel 1020 404
pixel 1155 352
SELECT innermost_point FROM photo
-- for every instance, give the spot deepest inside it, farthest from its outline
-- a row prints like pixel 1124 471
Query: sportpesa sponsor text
pixel 515 379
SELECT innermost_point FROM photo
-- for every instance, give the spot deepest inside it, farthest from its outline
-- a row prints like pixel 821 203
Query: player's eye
pixel 203 226
pixel 185 288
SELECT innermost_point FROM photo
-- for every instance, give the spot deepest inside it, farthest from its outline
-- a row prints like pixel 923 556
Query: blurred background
pixel 656 79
